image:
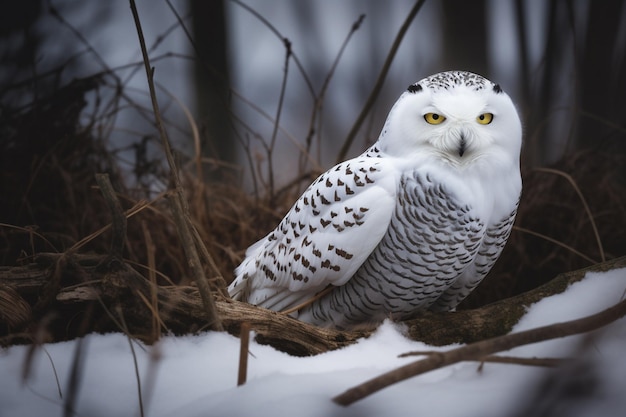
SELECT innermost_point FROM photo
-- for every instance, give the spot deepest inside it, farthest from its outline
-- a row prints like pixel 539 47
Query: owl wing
pixel 324 238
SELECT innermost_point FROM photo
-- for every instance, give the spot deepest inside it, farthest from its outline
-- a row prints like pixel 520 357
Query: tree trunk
pixel 212 82
pixel 465 36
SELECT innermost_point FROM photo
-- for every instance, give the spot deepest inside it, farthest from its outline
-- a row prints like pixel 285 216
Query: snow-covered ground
pixel 196 375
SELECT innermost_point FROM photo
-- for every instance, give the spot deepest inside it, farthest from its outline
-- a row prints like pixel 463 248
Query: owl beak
pixel 462 145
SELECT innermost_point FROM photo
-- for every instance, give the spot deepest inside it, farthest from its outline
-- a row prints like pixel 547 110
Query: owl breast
pixel 432 238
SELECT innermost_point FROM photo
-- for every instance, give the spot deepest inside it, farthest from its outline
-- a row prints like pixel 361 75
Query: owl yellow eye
pixel 434 118
pixel 485 118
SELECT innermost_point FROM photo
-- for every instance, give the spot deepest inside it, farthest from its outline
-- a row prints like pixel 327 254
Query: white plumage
pixel 414 223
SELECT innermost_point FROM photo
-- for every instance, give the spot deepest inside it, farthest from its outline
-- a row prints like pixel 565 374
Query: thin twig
pixel 155 104
pixel 379 81
pixel 134 355
pixel 481 349
pixel 74 379
pixel 319 100
pixel 311 300
pixel 556 242
pixel 55 13
pixel 194 264
pixel 281 99
pixel 154 302
pixel 220 284
pixel 269 118
pixel 275 31
pixel 120 84
pixel 54 371
pixel 244 337
pixel 585 205
pixel 604 121
pixel 118 219
pixel 149 269
pixel 137 377
pixel 154 311
pixel 511 360
pixel 179 203
pixel 195 133
pixel 142 204
pixel 31 231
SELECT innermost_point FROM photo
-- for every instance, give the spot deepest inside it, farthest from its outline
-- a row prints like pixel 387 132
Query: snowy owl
pixel 414 223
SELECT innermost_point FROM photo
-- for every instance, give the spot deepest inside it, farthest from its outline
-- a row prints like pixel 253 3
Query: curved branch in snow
pixel 477 350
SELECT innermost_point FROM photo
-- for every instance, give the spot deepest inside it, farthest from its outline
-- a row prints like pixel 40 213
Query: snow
pixel 196 375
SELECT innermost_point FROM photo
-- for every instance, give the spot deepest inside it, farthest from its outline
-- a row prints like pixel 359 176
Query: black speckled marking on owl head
pixel 450 79
pixel 414 88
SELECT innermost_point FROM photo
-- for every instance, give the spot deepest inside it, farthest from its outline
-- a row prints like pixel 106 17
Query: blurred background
pixel 270 89
pixel 562 61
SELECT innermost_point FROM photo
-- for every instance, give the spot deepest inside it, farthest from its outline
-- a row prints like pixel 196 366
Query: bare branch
pixel 481 349
pixel 379 81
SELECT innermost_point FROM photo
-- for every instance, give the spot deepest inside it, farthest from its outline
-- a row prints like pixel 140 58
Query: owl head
pixel 455 117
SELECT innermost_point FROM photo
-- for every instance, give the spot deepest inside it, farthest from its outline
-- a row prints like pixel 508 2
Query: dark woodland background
pixel 66 114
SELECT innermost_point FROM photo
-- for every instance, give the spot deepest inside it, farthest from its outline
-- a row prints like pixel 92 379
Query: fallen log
pixel 102 294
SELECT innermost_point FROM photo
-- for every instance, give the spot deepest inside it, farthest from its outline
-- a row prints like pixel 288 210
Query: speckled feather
pixel 411 224
pixel 329 232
